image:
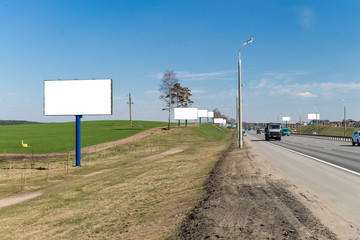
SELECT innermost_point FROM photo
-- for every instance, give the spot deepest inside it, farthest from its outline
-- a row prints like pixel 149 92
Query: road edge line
pixel 318 160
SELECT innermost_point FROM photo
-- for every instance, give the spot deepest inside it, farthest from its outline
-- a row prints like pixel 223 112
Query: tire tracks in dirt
pixel 244 200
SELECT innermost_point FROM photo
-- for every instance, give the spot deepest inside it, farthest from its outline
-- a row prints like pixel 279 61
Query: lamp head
pixel 250 40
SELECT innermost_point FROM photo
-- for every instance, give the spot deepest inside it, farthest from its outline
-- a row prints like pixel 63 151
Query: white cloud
pixel 274 84
pixel 8 94
pixel 187 76
pixel 152 92
pixel 223 94
pixel 306 95
pixel 263 83
pixel 285 76
pixel 332 85
pixel 222 75
pixel 306 18
pixel 197 91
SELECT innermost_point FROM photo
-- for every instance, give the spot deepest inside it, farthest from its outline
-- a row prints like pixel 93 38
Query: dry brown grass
pixel 116 194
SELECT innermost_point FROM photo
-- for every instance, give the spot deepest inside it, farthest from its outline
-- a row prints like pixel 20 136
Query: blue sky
pixel 305 54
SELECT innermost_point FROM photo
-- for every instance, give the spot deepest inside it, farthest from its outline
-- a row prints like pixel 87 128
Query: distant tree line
pixel 15 122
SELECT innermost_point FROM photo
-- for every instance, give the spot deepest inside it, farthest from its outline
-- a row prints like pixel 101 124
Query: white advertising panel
pixel 312 116
pixel 286 119
pixel 210 115
pixel 218 120
pixel 77 97
pixel 185 113
pixel 202 113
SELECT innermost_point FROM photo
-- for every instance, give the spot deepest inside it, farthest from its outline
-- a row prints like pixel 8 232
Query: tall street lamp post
pixel 344 116
pixel 300 121
pixel 317 119
pixel 237 116
pixel 239 123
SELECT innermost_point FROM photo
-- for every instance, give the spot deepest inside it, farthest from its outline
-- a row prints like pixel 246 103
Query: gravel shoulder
pixel 247 199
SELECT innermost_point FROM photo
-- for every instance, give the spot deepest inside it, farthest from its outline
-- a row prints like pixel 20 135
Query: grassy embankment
pixel 128 198
pixel 327 130
pixel 60 137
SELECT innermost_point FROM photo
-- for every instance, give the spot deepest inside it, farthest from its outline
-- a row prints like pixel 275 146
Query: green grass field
pixel 128 198
pixel 60 137
pixel 327 130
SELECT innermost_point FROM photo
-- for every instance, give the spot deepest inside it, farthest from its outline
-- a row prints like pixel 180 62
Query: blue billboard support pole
pixel 200 120
pixel 286 124
pixel 186 123
pixel 78 140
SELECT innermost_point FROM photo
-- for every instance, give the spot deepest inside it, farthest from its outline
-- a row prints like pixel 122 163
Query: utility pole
pixel 130 102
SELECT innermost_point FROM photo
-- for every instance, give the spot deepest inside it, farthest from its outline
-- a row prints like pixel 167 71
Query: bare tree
pixel 166 89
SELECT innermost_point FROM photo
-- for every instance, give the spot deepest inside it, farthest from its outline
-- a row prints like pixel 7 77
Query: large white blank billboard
pixel 77 97
pixel 219 120
pixel 286 119
pixel 210 115
pixel 185 113
pixel 313 116
pixel 202 113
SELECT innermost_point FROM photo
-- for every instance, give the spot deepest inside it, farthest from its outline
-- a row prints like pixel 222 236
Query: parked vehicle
pixel 356 138
pixel 285 132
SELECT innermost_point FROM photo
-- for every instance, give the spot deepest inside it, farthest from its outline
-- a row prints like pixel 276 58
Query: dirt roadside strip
pixel 90 149
pixel 247 199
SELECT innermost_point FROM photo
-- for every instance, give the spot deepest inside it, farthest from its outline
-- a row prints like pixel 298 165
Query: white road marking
pixel 319 160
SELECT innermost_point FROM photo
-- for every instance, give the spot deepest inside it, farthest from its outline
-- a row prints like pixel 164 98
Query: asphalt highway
pixel 339 153
pixel 304 161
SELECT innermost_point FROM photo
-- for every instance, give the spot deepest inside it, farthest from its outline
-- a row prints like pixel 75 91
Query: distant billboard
pixel 286 119
pixel 202 113
pixel 77 97
pixel 185 113
pixel 219 120
pixel 313 116
pixel 210 115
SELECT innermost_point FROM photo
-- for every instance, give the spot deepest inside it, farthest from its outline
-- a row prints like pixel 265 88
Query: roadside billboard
pixel 185 113
pixel 286 119
pixel 210 115
pixel 77 97
pixel 219 120
pixel 202 113
pixel 313 116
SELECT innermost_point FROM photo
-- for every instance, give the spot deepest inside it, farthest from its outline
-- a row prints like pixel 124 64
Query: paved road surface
pixel 338 188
